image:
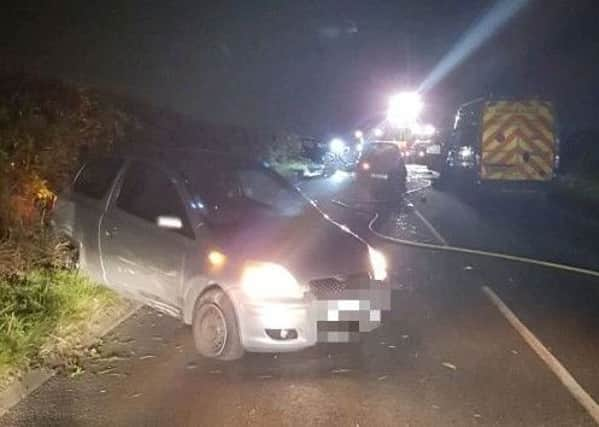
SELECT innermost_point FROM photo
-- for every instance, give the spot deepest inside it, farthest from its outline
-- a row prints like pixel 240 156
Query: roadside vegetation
pixel 44 316
pixel 47 129
pixel 47 309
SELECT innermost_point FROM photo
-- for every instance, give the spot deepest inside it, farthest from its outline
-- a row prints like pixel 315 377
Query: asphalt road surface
pixel 445 355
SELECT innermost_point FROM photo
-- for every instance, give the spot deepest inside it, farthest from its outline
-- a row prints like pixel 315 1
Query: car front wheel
pixel 214 326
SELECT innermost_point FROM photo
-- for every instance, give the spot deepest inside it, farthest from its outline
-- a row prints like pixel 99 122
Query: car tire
pixel 214 327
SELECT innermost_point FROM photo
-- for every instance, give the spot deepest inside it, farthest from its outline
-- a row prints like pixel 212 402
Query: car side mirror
pixel 169 222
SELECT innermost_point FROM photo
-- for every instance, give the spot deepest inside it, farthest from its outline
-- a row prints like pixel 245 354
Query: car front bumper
pixel 310 320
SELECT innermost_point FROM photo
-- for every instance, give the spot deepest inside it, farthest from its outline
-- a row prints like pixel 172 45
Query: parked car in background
pixel 382 168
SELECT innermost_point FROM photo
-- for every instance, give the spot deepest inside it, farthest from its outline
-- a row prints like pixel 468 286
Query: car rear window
pixel 96 177
pixel 380 152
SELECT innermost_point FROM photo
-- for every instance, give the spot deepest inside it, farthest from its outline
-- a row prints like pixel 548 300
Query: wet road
pixel 445 354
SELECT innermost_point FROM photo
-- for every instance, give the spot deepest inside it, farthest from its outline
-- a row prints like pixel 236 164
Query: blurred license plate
pixel 379 175
pixel 433 149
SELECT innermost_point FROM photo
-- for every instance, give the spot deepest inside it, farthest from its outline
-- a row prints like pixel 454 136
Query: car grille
pixel 330 284
pixel 337 284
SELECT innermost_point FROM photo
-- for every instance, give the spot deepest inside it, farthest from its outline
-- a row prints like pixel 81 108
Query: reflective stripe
pixel 517 141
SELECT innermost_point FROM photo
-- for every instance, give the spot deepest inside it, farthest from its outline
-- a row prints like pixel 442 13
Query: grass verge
pixel 45 316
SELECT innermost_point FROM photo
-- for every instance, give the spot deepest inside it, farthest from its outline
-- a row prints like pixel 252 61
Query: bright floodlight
pixel 378 132
pixel 404 109
pixel 428 130
pixel 337 146
pixel 358 134
pixel 421 130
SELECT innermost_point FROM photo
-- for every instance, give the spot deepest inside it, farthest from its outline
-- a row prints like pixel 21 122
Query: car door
pixel 142 256
pixel 78 211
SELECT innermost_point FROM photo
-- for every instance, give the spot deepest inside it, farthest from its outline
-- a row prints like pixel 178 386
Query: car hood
pixel 310 246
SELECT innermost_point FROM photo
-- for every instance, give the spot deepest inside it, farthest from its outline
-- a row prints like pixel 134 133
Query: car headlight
pixel 465 152
pixel 266 280
pixel 337 146
pixel 378 262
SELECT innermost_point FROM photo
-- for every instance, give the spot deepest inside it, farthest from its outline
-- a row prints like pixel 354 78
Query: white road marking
pixel 430 227
pixel 537 346
pixel 550 360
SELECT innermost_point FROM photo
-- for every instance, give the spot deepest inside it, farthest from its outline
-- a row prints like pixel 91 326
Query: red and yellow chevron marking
pixel 518 141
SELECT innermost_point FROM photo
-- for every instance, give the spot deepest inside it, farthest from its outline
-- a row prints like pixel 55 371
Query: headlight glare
pixel 265 280
pixel 378 262
pixel 466 152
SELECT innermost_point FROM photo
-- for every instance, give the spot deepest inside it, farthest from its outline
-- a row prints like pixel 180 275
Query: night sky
pixel 316 67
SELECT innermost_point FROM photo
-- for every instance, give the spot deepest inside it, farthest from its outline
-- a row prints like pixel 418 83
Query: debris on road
pixel 264 377
pixel 382 378
pixel 106 371
pixel 135 395
pixel 77 370
pixel 117 374
pixel 111 357
pixel 147 356
pixel 468 268
pixel 515 352
pixel 391 347
pixel 449 366
pixel 191 365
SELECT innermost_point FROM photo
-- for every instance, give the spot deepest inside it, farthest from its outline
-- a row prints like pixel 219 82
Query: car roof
pixel 179 158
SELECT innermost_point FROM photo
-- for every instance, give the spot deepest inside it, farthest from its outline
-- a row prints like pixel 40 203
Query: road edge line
pixel 34 379
pixel 430 227
pixel 554 365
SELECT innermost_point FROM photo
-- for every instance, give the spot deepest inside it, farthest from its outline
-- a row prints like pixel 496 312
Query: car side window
pixel 96 177
pixel 148 193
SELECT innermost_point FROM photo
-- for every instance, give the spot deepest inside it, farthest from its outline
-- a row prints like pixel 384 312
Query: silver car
pixel 226 245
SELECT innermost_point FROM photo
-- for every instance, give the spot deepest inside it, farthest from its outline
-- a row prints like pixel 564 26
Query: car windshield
pixel 243 189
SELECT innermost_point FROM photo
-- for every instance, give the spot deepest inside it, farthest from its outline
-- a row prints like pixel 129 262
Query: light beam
pixel 475 36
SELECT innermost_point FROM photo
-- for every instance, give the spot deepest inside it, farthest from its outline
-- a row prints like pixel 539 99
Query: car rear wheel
pixel 214 326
